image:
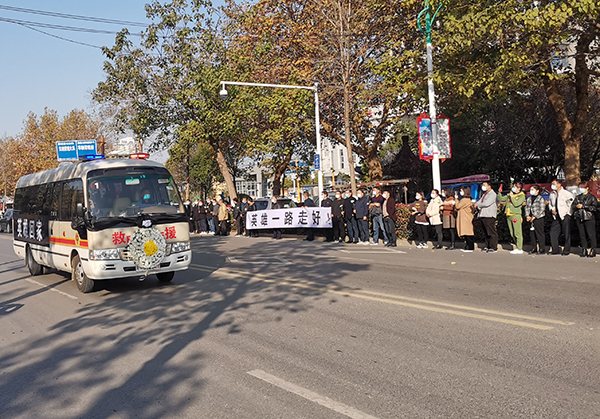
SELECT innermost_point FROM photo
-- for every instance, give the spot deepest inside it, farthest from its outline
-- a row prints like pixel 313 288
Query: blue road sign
pixel 86 147
pixel 66 150
pixel 72 150
pixel 317 162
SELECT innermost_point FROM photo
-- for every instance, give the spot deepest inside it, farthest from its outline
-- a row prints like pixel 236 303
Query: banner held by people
pixel 315 217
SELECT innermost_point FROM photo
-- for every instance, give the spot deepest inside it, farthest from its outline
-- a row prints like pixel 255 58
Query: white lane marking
pixel 258 260
pixel 366 252
pixel 51 289
pixel 310 395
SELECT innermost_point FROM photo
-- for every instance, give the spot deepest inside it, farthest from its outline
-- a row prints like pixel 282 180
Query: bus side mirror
pixel 80 209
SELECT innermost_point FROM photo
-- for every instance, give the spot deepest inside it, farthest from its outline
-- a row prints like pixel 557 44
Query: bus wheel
pixel 35 268
pixel 84 284
pixel 165 276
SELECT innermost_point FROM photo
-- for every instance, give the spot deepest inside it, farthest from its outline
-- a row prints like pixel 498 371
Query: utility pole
pixel 435 163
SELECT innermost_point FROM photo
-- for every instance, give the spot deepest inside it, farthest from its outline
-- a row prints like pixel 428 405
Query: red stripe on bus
pixel 68 242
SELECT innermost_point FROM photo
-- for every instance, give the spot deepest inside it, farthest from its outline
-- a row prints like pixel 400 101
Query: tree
pixel 172 80
pixel 279 123
pixel 203 168
pixel 494 48
pixel 360 51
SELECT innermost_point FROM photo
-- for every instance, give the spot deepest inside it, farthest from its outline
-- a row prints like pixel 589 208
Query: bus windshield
pixel 127 193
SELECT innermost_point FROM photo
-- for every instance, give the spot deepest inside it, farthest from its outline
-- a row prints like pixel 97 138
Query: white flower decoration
pixel 147 248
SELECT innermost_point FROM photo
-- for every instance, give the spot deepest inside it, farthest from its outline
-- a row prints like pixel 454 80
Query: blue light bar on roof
pixel 90 157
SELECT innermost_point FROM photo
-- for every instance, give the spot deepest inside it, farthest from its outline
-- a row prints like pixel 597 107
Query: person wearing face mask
pixel 535 211
pixel 215 216
pixel 362 216
pixel 376 211
pixel 448 216
pixel 389 218
pixel 464 219
pixel 308 202
pixel 419 210
pixel 326 202
pixel 559 204
pixel 488 210
pixel 514 201
pixel 337 211
pixel 583 208
pixel 433 213
pixel 349 210
pixel 209 216
pixel 245 208
pixel 223 216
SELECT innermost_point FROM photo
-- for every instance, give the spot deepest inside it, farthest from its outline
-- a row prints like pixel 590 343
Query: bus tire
pixel 84 284
pixel 165 276
pixel 35 268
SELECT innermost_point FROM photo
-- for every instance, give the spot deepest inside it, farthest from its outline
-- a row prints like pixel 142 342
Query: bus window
pixel 38 200
pixel 72 194
pixel 121 193
pixel 53 199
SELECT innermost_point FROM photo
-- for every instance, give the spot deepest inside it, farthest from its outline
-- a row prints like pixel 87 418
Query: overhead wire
pixel 61 37
pixel 73 17
pixel 59 27
pixel 33 25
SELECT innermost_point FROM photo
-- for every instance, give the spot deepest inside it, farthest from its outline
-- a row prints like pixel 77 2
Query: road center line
pixel 461 307
pixel 412 305
pixel 72 297
pixel 310 395
pixel 393 299
pixel 369 252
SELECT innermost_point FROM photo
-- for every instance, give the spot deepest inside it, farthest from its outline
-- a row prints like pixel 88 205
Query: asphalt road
pixel 291 329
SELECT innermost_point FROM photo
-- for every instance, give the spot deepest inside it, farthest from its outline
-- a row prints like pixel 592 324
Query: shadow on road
pixel 121 354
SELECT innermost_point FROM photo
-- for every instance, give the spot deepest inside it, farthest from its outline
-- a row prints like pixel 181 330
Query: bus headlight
pixel 105 254
pixel 180 247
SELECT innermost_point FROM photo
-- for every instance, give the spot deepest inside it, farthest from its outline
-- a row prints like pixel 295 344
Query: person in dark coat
pixel 337 211
pixel 237 216
pixel 584 208
pixel 245 206
pixel 362 216
pixel 215 216
pixel 202 210
pixel 349 216
pixel 210 206
pixel 389 218
pixel 326 202
pixel 308 202
pixel 196 215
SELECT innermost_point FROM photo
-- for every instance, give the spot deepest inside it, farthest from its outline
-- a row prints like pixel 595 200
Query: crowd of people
pixel 453 212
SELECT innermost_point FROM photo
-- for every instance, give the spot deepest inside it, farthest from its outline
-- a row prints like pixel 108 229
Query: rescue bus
pixel 102 219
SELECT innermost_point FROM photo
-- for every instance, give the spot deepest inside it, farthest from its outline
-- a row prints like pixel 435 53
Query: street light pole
pixel 435 163
pixel 315 90
pixel 318 135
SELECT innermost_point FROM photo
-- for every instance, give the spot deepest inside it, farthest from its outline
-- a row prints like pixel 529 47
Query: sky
pixel 39 71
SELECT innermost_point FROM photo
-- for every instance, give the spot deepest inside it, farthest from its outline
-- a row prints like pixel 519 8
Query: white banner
pixel 311 217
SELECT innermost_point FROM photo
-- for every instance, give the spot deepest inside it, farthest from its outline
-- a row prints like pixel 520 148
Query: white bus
pixel 102 219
